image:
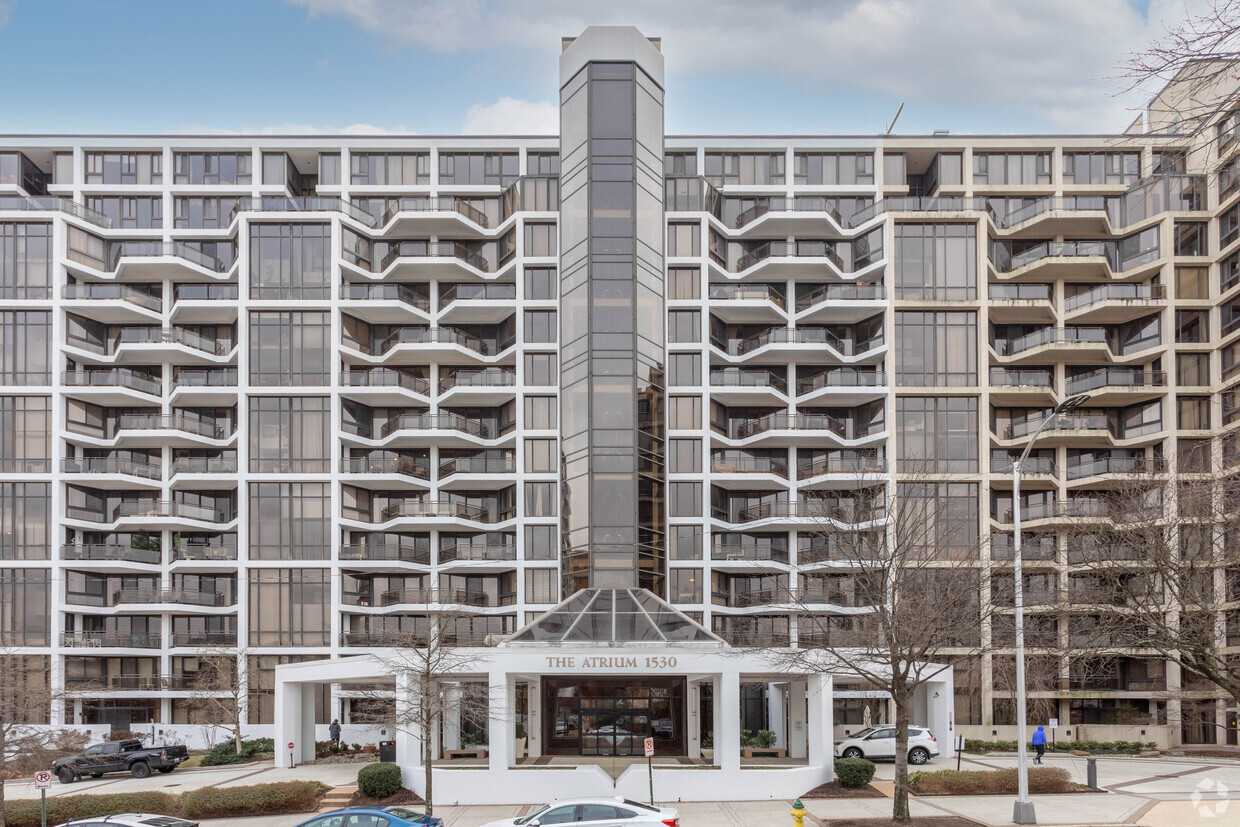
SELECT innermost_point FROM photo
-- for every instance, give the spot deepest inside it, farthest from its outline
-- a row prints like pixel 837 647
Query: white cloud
pixel 6 14
pixel 295 129
pixel 510 116
pixel 1052 58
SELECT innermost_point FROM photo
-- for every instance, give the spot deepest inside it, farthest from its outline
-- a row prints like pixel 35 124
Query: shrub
pixel 260 799
pixel 763 739
pixel 122 735
pixel 226 752
pixel 975 782
pixel 378 780
pixel 25 812
pixel 708 741
pixel 1096 747
pixel 853 772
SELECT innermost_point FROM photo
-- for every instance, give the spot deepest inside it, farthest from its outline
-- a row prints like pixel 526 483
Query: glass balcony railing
pixel 1013 378
pixel 405 466
pixel 746 292
pixel 1060 422
pixel 110 551
pixel 1073 335
pixel 450 509
pixel 483 551
pixel 403 293
pixel 840 292
pixel 436 422
pixel 204 551
pixel 789 249
pixel 435 204
pixel 800 203
pixel 443 336
pixel 1115 378
pixel 206 292
pixel 205 638
pixel 110 640
pixel 392 548
pixel 751 549
pixel 308 204
pixel 205 465
pixel 485 378
pixel 113 378
pixel 741 464
pixel 114 292
pixel 172 422
pixel 844 428
pixel 204 378
pixel 1114 464
pixel 798 336
pixel 1019 292
pixel 842 378
pixel 172 508
pixel 840 462
pixel 384 378
pixel 747 378
pixel 435 249
pixel 111 465
pixel 52 203
pixel 1115 292
pixel 187 597
pixel 495 292
pixel 484 462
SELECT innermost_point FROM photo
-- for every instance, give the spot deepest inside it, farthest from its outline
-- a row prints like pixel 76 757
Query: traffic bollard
pixel 1091 773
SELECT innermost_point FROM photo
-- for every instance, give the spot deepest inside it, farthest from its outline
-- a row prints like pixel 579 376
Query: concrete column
pixel 534 717
pixel 499 724
pixel 452 718
pixel 776 721
pixel 287 720
pixel 728 722
pixel 798 728
pixel 820 723
pixel 305 743
pixel 408 744
pixel 693 717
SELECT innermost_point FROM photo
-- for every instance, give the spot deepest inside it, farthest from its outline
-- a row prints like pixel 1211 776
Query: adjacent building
pixel 290 397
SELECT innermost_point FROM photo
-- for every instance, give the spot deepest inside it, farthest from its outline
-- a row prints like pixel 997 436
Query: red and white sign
pixel 42 780
pixel 290 744
pixel 649 747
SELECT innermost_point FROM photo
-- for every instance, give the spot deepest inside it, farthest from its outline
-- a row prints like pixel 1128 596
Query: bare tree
pixel 25 702
pixel 216 687
pixel 436 663
pixel 1158 572
pixel 905 557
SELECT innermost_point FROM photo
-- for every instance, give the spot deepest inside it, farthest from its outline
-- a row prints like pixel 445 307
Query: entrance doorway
pixel 613 716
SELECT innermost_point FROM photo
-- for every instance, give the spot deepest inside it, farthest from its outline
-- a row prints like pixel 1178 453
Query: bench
pixel 477 752
pixel 767 752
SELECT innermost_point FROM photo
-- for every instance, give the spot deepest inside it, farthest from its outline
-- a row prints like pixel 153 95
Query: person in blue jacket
pixel 1039 743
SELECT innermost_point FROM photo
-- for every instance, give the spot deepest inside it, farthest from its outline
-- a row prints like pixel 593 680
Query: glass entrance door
pixel 610 730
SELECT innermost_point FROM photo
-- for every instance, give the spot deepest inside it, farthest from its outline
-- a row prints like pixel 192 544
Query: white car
pixel 130 820
pixel 880 742
pixel 597 812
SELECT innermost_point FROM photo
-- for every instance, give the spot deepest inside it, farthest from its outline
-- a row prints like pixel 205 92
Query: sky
pixel 838 67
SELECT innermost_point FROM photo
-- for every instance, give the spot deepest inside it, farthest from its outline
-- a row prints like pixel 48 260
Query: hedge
pixel 226 752
pixel 209 802
pixel 378 780
pixel 260 799
pixel 25 812
pixel 854 772
pixel 974 782
pixel 1096 747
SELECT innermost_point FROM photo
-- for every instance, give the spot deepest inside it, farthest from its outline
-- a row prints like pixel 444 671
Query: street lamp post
pixel 1022 812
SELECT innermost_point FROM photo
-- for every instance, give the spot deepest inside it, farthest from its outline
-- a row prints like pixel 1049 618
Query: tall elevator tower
pixel 612 338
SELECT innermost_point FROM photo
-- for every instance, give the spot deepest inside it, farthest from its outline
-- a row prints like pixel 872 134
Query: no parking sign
pixel 42 780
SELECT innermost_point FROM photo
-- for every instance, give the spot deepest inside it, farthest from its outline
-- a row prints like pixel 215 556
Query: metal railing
pixel 484 462
pixel 747 378
pixel 204 552
pixel 463 552
pixel 309 204
pixel 1061 422
pixel 171 508
pixel 171 335
pixel 172 422
pixel 800 203
pixel 436 204
pixel 113 378
pixel 842 378
pixel 205 292
pixel 443 336
pixel 1070 203
pixel 757 551
pixel 204 378
pixel 110 551
pixel 484 378
pixel 110 640
pixel 187 597
pixel 403 293
pixel 1114 465
pixel 840 462
pixel 1115 378
pixel 840 292
pixel 746 292
pixel 1014 378
pixel 730 464
pixel 841 427
pixel 1055 335
pixel 1115 292
pixel 799 336
pixel 111 465
pixel 163 249
pixel 405 466
pixel 204 638
pixel 435 422
pixel 53 203
pixel 205 465
pixel 450 509
pixel 106 292
pixel 1020 292
pixel 498 292
pixel 384 378
pixel 435 249
pixel 402 549
pixel 793 249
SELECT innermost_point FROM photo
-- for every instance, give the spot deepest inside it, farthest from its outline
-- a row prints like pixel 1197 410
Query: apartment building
pixel 291 397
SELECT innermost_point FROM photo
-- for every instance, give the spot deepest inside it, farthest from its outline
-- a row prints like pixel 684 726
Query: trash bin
pixel 387 751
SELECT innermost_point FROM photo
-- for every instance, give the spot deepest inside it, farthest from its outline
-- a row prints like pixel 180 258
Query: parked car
pixel 616 811
pixel 393 816
pixel 130 820
pixel 880 742
pixel 117 756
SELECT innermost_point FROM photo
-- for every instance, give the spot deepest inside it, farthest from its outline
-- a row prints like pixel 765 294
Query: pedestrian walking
pixel 334 730
pixel 1039 744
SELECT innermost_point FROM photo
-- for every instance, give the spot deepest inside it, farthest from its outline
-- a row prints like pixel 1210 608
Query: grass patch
pixel 209 802
pixel 990 782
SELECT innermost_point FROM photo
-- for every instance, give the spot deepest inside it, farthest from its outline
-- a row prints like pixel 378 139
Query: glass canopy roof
pixel 614 616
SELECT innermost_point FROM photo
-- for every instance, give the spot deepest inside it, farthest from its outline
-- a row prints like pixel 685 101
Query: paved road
pixel 1150 792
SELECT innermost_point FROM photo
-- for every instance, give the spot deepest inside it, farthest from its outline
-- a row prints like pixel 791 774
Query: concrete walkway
pixel 1149 792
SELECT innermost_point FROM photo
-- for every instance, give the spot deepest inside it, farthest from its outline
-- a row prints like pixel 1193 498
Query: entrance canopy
pixel 614 616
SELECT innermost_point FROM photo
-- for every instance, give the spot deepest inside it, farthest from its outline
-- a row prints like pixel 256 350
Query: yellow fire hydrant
pixel 798 813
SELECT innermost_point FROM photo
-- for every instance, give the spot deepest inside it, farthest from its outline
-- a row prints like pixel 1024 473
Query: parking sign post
pixel 43 780
pixel 650 768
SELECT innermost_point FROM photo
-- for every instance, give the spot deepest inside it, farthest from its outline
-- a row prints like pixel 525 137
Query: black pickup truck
pixel 117 756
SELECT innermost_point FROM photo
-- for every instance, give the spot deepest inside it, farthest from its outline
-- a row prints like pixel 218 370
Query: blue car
pixel 394 816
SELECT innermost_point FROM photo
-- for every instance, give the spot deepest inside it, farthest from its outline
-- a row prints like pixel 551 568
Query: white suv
pixel 130 820
pixel 880 742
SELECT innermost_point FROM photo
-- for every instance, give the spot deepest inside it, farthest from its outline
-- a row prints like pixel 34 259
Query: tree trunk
pixel 899 804
pixel 3 762
pixel 427 757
